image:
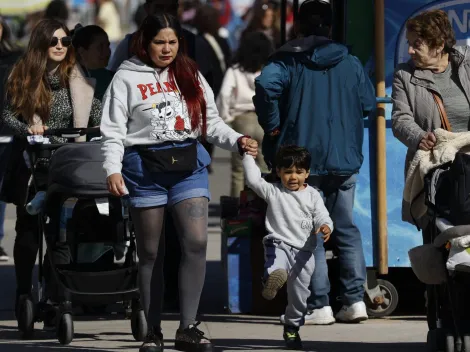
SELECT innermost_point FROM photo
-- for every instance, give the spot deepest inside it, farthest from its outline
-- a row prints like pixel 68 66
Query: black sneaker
pixel 50 317
pixel 192 339
pixel 3 255
pixel 274 283
pixel 292 338
pixel 153 342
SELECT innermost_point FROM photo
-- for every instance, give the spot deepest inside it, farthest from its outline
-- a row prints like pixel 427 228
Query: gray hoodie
pixel 142 107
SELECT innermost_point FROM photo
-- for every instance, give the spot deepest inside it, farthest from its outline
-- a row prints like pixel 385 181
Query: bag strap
pixel 217 50
pixel 442 112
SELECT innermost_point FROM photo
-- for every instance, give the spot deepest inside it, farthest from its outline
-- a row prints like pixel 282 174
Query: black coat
pixel 209 64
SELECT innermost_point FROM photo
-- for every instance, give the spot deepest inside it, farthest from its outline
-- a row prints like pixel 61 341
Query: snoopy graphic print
pixel 169 118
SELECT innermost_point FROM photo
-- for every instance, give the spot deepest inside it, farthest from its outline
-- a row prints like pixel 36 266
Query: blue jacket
pixel 317 95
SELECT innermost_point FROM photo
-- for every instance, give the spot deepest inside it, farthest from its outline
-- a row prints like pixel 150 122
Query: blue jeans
pixel 338 192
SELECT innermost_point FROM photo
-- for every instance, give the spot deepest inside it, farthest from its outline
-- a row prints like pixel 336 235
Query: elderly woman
pixel 437 74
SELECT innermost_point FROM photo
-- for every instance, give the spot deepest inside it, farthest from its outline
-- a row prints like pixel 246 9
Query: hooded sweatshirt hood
pixel 134 64
pixel 321 51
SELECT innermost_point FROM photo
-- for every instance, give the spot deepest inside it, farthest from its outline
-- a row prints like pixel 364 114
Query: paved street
pixel 229 332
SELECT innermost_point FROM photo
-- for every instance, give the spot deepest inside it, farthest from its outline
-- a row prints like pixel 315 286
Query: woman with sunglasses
pixel 46 89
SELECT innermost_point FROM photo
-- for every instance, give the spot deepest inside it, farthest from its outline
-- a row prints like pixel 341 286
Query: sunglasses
pixel 66 41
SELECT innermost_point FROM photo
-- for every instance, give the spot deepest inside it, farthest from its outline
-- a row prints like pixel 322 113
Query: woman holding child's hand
pixel 153 155
pixel 249 146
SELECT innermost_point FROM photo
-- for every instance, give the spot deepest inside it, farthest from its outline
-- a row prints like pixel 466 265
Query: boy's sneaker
pixel 321 316
pixel 153 342
pixel 3 255
pixel 192 339
pixel 292 338
pixel 274 283
pixel 354 313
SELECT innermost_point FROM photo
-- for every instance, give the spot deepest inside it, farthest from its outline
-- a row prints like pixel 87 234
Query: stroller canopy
pixel 77 168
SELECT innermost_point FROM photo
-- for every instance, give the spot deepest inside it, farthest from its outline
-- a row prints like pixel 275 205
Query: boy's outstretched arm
pixel 254 180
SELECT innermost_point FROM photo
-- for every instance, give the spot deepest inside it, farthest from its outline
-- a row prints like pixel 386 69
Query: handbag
pixel 178 159
pixel 445 124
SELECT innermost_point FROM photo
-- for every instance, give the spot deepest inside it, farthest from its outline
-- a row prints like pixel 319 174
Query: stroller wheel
pixel 26 317
pixel 450 343
pixel 389 304
pixel 466 343
pixel 139 325
pixel 65 329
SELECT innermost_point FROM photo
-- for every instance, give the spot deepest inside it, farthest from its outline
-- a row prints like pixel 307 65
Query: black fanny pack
pixel 178 159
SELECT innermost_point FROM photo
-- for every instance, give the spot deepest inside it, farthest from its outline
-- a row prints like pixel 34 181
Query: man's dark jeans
pixel 338 192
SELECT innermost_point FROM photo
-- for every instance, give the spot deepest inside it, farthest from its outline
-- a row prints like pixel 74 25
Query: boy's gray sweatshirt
pixel 292 216
pixel 142 107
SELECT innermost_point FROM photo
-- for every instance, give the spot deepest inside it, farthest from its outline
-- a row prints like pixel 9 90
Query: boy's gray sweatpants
pixel 299 265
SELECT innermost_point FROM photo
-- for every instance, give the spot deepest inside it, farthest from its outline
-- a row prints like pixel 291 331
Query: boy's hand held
pixel 326 231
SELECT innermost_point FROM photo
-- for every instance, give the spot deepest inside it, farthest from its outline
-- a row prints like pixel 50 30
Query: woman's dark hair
pixel 254 51
pixel 258 10
pixel 207 20
pixel 183 72
pixel 57 9
pixel 83 37
pixel 292 155
pixel 434 28
pixel 6 45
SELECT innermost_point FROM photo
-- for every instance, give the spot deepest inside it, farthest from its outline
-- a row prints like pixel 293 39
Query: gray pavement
pixel 229 332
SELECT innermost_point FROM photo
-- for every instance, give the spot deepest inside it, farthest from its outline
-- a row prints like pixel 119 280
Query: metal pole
pixel 382 242
pixel 296 9
pixel 283 21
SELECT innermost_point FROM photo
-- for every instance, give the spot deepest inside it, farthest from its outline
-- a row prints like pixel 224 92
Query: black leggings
pixel 25 252
pixel 190 217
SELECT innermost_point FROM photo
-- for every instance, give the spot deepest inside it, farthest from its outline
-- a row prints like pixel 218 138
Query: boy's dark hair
pixel 292 155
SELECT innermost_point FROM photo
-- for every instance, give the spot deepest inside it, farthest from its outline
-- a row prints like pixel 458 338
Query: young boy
pixel 296 214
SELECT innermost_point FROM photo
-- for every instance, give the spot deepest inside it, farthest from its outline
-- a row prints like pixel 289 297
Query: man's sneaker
pixel 292 337
pixel 274 283
pixel 354 313
pixel 153 342
pixel 192 339
pixel 321 316
pixel 3 255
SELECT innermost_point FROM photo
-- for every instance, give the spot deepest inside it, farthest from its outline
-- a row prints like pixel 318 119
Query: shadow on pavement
pixel 212 302
pixel 316 346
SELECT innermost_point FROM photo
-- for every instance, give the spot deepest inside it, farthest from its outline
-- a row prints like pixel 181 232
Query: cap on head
pixel 318 11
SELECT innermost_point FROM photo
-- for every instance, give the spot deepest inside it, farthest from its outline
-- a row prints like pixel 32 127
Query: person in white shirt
pixel 235 99
pixel 296 214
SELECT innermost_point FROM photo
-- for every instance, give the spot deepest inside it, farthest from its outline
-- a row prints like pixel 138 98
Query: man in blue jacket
pixel 314 94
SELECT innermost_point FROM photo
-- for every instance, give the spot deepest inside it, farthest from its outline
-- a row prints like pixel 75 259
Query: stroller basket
pixel 78 169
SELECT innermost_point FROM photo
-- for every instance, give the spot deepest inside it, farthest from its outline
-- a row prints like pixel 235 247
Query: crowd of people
pixel 178 85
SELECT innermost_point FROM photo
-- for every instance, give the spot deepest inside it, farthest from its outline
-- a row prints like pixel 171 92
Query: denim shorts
pixel 148 189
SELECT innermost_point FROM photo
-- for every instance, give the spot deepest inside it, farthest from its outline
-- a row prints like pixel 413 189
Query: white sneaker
pixel 353 314
pixel 322 316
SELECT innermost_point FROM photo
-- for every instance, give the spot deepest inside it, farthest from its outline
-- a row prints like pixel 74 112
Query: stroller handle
pixel 70 132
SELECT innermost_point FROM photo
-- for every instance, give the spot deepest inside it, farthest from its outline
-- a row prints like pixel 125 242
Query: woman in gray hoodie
pixel 155 111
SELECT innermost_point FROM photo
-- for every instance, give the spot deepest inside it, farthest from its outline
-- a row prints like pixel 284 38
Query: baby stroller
pixel 443 262
pixel 78 210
